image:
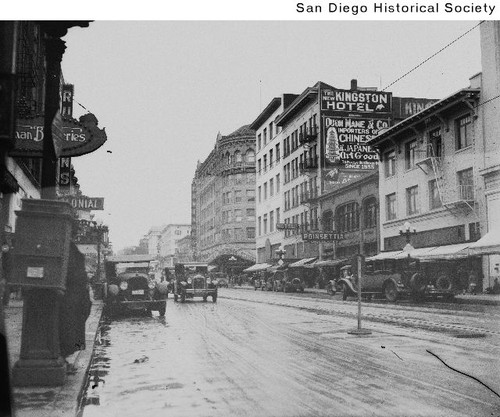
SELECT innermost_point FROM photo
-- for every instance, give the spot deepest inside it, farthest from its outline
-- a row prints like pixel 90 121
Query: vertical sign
pixel 65 175
pixel 67 100
pixel 65 163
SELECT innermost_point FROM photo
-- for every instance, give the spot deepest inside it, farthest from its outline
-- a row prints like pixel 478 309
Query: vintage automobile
pixel 290 282
pixel 396 278
pixel 192 280
pixel 131 288
pixel 221 278
pixel 278 279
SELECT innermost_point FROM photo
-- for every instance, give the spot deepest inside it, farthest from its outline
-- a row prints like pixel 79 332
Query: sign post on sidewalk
pixel 359 331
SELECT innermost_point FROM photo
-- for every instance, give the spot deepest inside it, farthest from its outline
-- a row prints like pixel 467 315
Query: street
pixel 273 354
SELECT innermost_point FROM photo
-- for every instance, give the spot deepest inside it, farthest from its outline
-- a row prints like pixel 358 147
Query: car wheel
pixel 214 298
pixel 204 299
pixel 162 309
pixel 443 282
pixel 345 292
pixel 391 292
pixel 176 297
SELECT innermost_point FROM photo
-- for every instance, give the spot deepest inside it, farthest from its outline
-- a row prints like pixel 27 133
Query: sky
pixel 164 89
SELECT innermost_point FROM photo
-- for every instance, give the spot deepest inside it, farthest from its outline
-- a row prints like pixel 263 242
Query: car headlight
pixel 123 285
pixel 214 282
pixel 151 285
pixel 209 280
pixel 189 280
pixel 183 282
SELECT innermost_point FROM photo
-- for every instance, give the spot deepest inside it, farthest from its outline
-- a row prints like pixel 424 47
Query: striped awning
pixel 302 262
pixel 257 267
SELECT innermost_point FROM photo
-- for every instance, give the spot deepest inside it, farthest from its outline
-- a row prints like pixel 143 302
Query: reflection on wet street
pixel 242 358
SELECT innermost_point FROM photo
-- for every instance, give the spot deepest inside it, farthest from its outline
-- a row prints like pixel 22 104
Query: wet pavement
pixel 270 354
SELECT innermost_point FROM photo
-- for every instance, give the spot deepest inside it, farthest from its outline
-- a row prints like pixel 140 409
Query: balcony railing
pixel 309 196
pixel 466 192
pixel 308 135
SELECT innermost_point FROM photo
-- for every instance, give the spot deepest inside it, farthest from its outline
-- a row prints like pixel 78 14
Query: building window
pixel 278 152
pixel 327 220
pixel 412 200
pixel 259 224
pixel 277 214
pixel 436 146
pixel 465 185
pixel 390 203
pixel 410 151
pixel 237 196
pixel 270 130
pixel 270 158
pixel 264 167
pixel 250 214
pixel 251 195
pixel 250 156
pixel 463 131
pixel 259 166
pixel 277 183
pixel 265 223
pixel 238 157
pixel 370 212
pixel 347 217
pixel 260 194
pixel 264 136
pixel 474 232
pixel 250 232
pixel 271 221
pixel 271 187
pixel 434 196
pixel 390 164
pixel 265 191
pixel 259 141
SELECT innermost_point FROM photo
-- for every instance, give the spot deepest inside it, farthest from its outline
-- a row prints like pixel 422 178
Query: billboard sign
pixel 359 102
pixel 85 203
pixel 345 145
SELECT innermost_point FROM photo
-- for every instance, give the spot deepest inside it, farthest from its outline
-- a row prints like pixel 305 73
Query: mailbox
pixel 41 246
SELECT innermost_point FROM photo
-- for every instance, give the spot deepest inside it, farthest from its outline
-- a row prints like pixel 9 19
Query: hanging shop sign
pixel 73 137
pixel 85 203
pixel 358 102
pixel 322 236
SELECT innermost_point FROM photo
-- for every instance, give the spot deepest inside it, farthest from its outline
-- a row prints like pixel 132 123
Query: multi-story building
pixel 439 170
pixel 184 251
pixel 153 237
pixel 269 179
pixel 223 201
pixel 168 243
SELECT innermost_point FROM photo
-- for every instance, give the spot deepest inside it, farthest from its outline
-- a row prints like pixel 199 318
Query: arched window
pixel 228 158
pixel 237 156
pixel 250 156
pixel 327 220
pixel 347 217
pixel 370 212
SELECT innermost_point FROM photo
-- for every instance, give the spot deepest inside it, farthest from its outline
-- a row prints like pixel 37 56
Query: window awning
pixel 257 267
pixel 447 252
pixel 489 244
pixel 302 262
pixel 328 262
pixel 386 255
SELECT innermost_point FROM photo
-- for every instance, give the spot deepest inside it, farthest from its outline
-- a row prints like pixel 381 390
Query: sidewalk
pixel 51 401
pixel 481 299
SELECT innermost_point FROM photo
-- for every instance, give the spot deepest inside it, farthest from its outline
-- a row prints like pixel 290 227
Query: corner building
pixel 223 203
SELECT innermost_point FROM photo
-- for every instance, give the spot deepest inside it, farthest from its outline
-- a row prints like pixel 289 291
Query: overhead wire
pixel 433 55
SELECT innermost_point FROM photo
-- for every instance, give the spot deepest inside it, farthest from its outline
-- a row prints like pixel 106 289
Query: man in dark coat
pixel 75 305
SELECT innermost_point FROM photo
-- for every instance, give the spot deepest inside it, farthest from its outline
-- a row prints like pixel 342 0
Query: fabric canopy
pixel 386 255
pixel 257 267
pixel 447 252
pixel 302 262
pixel 327 262
pixel 489 244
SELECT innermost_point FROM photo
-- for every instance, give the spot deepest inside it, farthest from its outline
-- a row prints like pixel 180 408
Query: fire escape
pixel 458 201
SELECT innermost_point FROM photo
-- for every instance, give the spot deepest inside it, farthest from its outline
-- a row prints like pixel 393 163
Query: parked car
pixel 130 286
pixel 396 278
pixel 278 279
pixel 192 280
pixel 136 292
pixel 292 283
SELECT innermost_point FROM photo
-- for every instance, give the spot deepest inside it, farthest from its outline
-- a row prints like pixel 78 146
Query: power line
pixel 433 55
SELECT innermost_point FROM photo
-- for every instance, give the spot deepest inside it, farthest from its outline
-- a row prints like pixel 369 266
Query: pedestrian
pixel 472 282
pixel 496 286
pixel 75 305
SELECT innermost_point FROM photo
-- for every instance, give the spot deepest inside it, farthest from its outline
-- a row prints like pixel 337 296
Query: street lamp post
pixel 281 253
pixel 407 232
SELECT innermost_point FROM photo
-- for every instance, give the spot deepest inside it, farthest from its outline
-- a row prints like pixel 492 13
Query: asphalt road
pixel 273 354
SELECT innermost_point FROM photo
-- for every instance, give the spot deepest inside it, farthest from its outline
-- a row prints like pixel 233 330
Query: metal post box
pixel 41 244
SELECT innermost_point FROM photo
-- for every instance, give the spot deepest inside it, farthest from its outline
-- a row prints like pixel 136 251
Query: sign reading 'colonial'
pixel 356 102
pixel 74 138
pixel 85 203
pixel 322 236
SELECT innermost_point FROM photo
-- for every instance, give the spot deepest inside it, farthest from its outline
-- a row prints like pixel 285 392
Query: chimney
pixel 354 84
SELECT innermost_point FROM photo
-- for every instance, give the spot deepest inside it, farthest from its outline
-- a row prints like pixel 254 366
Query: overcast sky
pixel 164 89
